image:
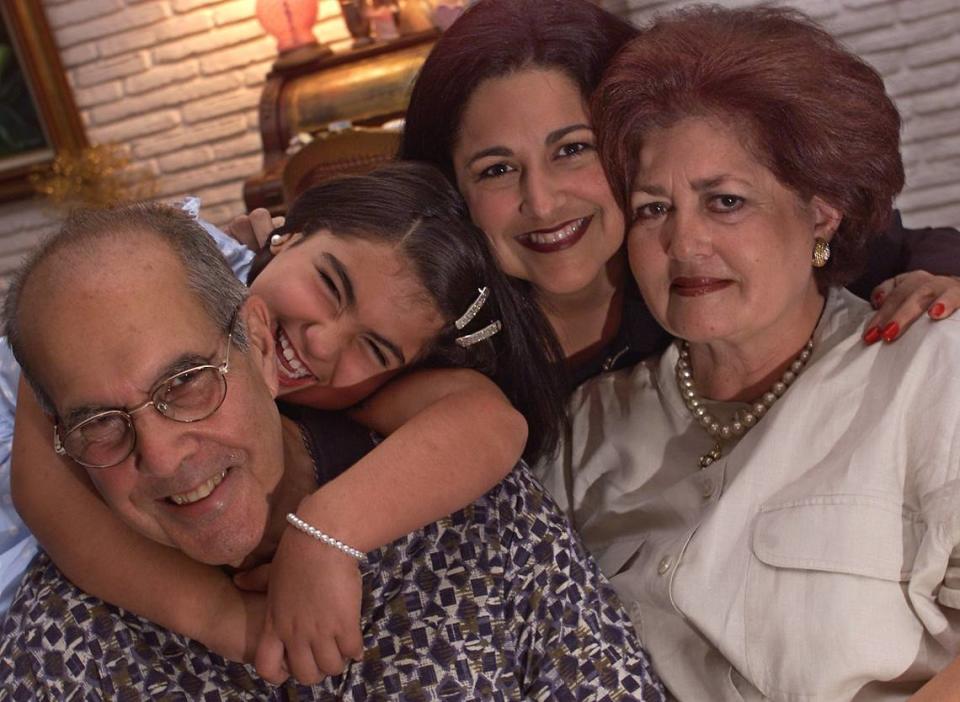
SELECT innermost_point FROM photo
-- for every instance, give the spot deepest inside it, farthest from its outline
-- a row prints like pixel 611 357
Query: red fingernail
pixel 890 332
pixel 873 335
pixel 937 310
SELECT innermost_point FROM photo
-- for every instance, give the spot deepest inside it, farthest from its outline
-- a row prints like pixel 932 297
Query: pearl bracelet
pixel 325 538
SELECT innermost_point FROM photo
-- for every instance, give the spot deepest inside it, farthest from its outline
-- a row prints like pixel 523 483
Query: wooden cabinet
pixel 366 87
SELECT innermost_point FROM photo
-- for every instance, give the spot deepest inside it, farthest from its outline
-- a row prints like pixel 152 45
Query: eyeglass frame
pixel 222 368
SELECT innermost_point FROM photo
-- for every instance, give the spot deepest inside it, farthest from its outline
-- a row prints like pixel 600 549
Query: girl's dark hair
pixel 413 207
pixel 494 38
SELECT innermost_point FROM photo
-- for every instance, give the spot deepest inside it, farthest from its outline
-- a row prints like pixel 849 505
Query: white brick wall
pixel 915 44
pixel 177 82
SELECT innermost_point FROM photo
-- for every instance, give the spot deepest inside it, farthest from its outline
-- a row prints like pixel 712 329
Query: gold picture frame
pixel 39 117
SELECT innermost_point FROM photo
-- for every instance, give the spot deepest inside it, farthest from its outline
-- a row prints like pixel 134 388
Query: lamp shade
pixel 290 22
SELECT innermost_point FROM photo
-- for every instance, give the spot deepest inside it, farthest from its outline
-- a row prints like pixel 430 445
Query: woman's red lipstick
pixel 557 238
pixel 695 287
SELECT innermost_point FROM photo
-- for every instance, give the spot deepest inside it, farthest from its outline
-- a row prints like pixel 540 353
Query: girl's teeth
pixel 296 368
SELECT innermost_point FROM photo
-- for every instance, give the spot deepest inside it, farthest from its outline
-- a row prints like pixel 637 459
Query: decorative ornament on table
pixel 446 12
pixel 355 17
pixel 290 22
pixel 97 176
pixel 743 420
pixel 414 16
pixel 383 19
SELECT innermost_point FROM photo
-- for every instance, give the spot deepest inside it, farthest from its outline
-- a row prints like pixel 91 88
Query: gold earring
pixel 821 252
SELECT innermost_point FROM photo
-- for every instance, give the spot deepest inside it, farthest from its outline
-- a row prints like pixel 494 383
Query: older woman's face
pixel 720 249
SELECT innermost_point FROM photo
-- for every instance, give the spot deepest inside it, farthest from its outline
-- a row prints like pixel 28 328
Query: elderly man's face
pixel 105 341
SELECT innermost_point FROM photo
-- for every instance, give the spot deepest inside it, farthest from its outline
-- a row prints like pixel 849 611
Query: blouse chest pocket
pixel 826 609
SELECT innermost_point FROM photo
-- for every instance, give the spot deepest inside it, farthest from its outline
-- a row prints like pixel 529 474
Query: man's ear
pixel 826 218
pixel 259 324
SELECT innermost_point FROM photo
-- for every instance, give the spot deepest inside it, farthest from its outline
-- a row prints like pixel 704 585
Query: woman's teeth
pixel 293 369
pixel 557 235
pixel 199 493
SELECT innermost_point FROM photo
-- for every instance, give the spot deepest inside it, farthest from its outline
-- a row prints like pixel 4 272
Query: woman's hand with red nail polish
pixel 891 331
pixel 908 297
pixel 873 335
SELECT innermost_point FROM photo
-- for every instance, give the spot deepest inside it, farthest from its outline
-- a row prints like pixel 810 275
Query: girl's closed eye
pixel 331 287
pixel 377 353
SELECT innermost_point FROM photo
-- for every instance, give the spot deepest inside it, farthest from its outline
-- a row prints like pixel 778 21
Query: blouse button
pixel 665 564
pixel 707 489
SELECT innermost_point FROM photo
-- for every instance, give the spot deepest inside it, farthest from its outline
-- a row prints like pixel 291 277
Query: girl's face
pixel 349 314
pixel 528 168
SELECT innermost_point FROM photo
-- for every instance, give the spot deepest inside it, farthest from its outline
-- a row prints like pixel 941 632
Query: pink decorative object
pixel 446 13
pixel 383 22
pixel 290 22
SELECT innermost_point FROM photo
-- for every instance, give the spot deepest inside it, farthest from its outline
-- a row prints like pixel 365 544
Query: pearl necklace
pixel 743 419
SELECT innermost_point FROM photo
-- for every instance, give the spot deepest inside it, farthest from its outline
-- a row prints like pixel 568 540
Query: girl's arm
pixel 103 556
pixel 453 436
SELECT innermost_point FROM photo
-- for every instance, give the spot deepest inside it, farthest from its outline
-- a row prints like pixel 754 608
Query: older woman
pixel 775 501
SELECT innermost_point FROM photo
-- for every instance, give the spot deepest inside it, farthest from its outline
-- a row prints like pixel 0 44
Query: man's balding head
pixel 108 311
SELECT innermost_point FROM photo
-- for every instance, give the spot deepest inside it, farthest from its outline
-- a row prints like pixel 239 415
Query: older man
pixel 159 373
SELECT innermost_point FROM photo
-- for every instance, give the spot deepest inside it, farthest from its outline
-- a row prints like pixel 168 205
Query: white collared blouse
pixel 819 558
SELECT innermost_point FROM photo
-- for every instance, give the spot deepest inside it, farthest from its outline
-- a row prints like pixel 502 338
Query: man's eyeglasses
pixel 109 437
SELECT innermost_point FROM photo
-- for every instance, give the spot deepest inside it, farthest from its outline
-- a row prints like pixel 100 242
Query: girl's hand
pixel 252 230
pixel 313 612
pixel 904 298
pixel 235 625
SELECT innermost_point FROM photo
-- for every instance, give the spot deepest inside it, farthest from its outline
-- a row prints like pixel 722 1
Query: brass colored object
pixel 363 87
pixel 96 176
pixel 371 88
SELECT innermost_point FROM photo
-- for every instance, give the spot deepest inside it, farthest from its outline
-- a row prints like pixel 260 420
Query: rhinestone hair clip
pixel 468 316
pixel 473 308
pixel 477 337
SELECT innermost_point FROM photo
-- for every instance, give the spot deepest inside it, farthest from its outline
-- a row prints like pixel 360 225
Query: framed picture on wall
pixel 38 116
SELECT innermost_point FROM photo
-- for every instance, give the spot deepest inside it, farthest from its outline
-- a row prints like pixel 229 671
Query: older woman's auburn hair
pixel 817 115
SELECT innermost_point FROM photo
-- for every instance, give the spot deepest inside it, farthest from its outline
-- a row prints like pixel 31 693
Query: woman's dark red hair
pixel 494 38
pixel 817 115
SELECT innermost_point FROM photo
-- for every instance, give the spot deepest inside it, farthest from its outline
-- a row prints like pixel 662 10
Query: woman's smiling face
pixel 349 314
pixel 527 166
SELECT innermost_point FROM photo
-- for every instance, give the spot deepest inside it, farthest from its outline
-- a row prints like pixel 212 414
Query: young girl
pixel 369 274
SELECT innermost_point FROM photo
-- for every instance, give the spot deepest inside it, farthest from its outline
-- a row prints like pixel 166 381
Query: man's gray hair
pixel 208 276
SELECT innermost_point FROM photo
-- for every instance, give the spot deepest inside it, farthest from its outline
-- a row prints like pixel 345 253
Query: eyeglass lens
pixel 108 438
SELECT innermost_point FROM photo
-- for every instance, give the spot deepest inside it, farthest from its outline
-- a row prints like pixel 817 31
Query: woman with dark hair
pixel 500 106
pixel 775 501
pixel 368 276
